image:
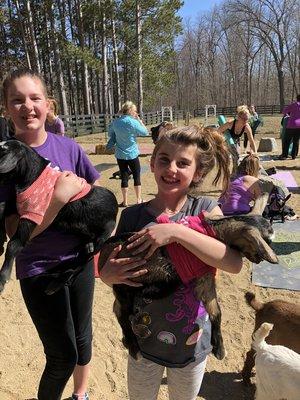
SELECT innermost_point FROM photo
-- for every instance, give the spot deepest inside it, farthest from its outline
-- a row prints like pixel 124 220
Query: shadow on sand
pixel 223 386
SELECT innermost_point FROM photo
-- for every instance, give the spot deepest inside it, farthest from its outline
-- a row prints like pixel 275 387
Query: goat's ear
pixel 8 163
pixel 254 247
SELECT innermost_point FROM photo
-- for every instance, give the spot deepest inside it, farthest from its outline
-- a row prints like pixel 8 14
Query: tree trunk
pixel 117 92
pixel 139 58
pixel 34 46
pixel 104 64
pixel 84 68
pixel 57 62
pixel 23 34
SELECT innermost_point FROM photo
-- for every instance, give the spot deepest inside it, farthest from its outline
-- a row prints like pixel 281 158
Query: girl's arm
pixel 224 127
pixel 253 185
pixel 248 131
pixel 66 187
pixel 209 250
pixel 111 137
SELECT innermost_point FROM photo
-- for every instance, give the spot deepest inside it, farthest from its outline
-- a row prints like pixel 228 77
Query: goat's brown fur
pixel 284 316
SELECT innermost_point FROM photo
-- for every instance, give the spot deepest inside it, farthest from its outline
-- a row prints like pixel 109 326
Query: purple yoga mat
pixel 287 178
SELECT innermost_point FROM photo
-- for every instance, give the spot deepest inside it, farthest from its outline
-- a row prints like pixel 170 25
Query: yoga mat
pixel 146 149
pixel 266 157
pixel 286 274
pixel 287 178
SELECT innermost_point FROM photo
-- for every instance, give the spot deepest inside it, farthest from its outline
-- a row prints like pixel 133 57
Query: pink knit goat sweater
pixel 187 265
pixel 34 201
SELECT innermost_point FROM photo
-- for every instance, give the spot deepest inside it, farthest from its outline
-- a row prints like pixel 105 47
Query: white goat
pixel 277 368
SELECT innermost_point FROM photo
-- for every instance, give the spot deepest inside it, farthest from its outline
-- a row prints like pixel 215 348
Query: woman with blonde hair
pixel 122 134
pixel 236 128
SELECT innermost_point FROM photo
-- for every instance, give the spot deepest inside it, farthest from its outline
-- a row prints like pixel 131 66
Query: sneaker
pixel 84 396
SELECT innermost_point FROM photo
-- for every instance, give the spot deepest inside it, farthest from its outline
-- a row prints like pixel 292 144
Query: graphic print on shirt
pixel 187 307
pixel 166 337
pixel 139 324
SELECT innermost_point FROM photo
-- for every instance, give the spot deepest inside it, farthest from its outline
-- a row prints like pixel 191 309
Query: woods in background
pixel 95 54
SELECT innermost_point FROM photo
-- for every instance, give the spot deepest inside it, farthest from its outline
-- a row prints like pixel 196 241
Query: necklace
pixel 165 210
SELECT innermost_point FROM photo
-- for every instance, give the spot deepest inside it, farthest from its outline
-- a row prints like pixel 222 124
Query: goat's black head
pixel 11 152
pixel 16 158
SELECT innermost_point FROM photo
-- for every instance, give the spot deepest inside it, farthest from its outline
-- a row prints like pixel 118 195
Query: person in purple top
pixel 53 123
pixel 63 320
pixel 243 189
pixel 292 132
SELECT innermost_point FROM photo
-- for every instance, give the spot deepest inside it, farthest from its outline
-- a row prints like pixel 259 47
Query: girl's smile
pixel 174 167
pixel 27 105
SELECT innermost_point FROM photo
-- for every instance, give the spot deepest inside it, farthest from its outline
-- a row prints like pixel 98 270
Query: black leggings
pixel 64 324
pixel 135 168
pixel 291 135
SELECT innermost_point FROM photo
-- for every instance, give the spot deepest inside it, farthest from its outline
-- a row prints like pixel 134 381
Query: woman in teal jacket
pixel 122 134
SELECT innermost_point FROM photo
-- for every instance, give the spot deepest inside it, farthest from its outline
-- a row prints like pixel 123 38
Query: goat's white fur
pixel 277 368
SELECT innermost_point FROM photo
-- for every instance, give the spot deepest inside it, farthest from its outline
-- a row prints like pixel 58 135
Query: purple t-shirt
pixel 237 199
pixel 51 247
pixel 294 111
pixel 56 127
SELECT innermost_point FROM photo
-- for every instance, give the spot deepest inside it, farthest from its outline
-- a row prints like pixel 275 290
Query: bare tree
pixel 138 22
pixel 117 97
pixel 269 20
pixel 57 61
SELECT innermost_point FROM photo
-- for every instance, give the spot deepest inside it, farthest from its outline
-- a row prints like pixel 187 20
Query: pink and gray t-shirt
pixel 51 247
pixel 179 326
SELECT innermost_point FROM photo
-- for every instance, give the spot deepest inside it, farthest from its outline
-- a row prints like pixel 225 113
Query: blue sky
pixel 192 8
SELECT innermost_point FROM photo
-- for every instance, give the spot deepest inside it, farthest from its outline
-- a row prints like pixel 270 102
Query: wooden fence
pixel 231 111
pixel 78 125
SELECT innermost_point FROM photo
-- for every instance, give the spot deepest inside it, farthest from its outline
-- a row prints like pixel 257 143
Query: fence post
pixel 76 126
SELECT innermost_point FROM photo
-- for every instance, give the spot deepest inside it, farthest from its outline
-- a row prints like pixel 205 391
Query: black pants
pixel 64 324
pixel 135 168
pixel 291 135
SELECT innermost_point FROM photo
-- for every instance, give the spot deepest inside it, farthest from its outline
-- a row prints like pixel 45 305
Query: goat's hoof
pixel 219 352
pixel 2 283
pixel 247 382
pixel 247 378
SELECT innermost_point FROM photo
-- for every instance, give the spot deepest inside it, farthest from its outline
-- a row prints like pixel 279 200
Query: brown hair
pixel 20 73
pixel 55 105
pixel 211 150
pixel 249 166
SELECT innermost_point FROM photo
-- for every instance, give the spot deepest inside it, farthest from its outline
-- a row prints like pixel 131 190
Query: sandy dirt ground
pixel 21 354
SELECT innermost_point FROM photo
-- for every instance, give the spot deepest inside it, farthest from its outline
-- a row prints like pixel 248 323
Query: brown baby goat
pixel 248 234
pixel 284 316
